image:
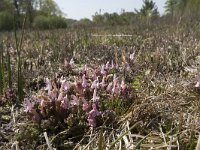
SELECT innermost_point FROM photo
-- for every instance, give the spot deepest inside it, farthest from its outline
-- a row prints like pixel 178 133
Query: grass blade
pixel 121 136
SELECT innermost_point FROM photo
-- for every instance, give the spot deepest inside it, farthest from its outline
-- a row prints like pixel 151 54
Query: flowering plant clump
pixel 80 99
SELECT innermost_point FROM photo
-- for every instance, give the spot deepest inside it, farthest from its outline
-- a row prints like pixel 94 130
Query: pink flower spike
pixel 94 108
pixel 85 105
pixel 42 103
pixel 112 65
pixel 95 97
pixel 103 82
pixel 36 116
pixel 94 74
pixel 60 96
pixel 123 85
pixel 66 64
pixel 91 122
pixel 128 68
pixel 84 82
pixel 65 103
pixel 62 79
pixel 85 69
pixel 27 105
pixel 98 82
pixel 132 56
pixel 107 65
pixel 94 84
pixel 116 66
pixel 74 100
pixel 103 69
pixel 92 116
pixel 115 79
pixel 52 94
pixel 109 87
pixel 48 85
pixel 116 89
pixel 197 85
pixel 71 63
pixel 66 86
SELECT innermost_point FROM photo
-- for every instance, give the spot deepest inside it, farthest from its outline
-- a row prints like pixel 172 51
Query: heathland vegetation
pixel 128 80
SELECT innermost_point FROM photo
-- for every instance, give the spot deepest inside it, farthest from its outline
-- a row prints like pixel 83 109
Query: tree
pixel 192 6
pixel 98 19
pixel 6 5
pixel 128 17
pixel 32 9
pixel 149 9
pixel 170 6
pixel 49 7
pixel 182 7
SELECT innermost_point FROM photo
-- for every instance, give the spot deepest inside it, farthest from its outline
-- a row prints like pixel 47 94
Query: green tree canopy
pixel 34 10
pixel 49 7
pixel 149 9
pixel 183 7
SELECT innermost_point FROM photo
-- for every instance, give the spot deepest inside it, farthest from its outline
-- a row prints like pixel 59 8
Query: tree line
pixel 38 14
pixel 45 14
pixel 183 7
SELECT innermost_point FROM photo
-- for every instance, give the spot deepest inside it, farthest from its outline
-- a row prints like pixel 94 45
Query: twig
pixel 120 137
pixel 198 144
pixel 164 137
pixel 47 141
pixel 16 145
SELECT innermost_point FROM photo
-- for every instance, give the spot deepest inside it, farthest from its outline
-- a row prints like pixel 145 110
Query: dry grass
pixel 165 113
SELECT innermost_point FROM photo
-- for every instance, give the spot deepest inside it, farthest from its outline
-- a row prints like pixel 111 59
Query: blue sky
pixel 78 9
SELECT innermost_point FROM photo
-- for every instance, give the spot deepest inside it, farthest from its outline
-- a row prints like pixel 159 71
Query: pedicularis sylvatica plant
pixel 86 97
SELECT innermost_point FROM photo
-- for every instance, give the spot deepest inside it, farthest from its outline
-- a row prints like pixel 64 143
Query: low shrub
pixel 51 22
pixel 6 21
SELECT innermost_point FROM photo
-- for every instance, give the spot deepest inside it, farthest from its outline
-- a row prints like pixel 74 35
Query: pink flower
pixel 27 105
pixel 112 65
pixel 128 68
pixel 115 79
pixel 64 85
pixel 95 97
pixel 84 82
pixel 116 89
pixel 60 96
pixel 132 56
pixel 197 85
pixel 52 94
pixel 123 85
pixel 86 105
pixel 109 87
pixel 116 66
pixel 85 69
pixel 103 69
pixel 92 116
pixel 42 103
pixel 74 101
pixel 66 64
pixel 113 89
pixel 65 103
pixel 107 65
pixel 71 62
pixel 36 116
pixel 95 83
pixel 78 85
pixel 94 74
pixel 116 86
pixel 48 85
pixel 103 82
